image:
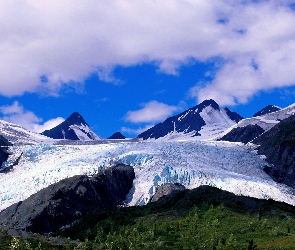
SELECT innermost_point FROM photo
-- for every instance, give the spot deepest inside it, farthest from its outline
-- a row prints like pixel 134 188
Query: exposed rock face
pixel 62 203
pixel 268 109
pixel 278 145
pixel 243 134
pixel 7 169
pixel 233 115
pixel 167 191
pixel 3 150
pixel 117 135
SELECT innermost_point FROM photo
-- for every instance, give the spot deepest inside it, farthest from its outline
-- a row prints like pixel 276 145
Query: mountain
pixel 268 109
pixel 278 145
pixel 265 122
pixel 117 135
pixel 16 134
pixel 249 132
pixel 73 128
pixel 204 121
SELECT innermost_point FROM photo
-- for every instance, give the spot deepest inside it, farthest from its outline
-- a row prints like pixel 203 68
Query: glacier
pixel 234 167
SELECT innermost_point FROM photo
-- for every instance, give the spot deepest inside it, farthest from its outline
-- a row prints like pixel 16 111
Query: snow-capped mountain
pixel 204 121
pixel 266 122
pixel 73 128
pixel 266 110
pixel 234 167
pixel 19 135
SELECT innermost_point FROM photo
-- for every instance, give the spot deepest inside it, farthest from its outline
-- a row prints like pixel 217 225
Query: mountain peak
pixel 73 128
pixel 75 114
pixel 206 120
pixel 117 135
pixel 207 103
pixel 266 110
pixel 76 118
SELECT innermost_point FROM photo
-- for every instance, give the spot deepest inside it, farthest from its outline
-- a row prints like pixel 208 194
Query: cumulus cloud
pixel 261 57
pixel 55 43
pixel 152 111
pixel 16 114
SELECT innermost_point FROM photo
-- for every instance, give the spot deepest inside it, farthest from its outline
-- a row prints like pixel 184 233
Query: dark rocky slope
pixel 268 109
pixel 243 134
pixel 117 135
pixel 61 204
pixel 3 149
pixel 278 145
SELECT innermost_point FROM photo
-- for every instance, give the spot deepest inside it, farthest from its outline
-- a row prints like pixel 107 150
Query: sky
pixel 126 65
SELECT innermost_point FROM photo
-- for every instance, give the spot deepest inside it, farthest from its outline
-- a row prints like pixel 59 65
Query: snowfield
pixel 229 166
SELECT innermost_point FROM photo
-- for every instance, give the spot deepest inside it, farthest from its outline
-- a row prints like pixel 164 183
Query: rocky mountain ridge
pixel 73 128
pixel 203 121
pixel 266 122
pixel 266 110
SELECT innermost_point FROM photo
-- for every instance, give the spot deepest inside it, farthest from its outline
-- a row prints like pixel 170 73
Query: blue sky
pixel 127 65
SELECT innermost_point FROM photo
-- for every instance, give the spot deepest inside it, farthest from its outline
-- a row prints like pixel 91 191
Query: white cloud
pixel 261 59
pixel 47 125
pixel 137 131
pixel 152 111
pixel 52 43
pixel 15 108
pixel 105 74
pixel 16 114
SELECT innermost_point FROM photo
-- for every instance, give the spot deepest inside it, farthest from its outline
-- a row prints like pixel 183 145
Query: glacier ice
pixel 229 166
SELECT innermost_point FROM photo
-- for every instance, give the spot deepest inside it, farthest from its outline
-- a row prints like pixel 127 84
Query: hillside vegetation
pixel 203 218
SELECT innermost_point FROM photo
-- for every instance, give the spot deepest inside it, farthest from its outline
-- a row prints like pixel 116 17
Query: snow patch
pixel 84 133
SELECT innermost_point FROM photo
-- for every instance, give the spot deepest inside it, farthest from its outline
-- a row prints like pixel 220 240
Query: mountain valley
pixel 204 146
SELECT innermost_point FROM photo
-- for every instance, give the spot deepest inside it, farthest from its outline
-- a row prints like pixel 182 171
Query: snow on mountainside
pixel 73 128
pixel 230 166
pixel 19 135
pixel 204 121
pixel 266 122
